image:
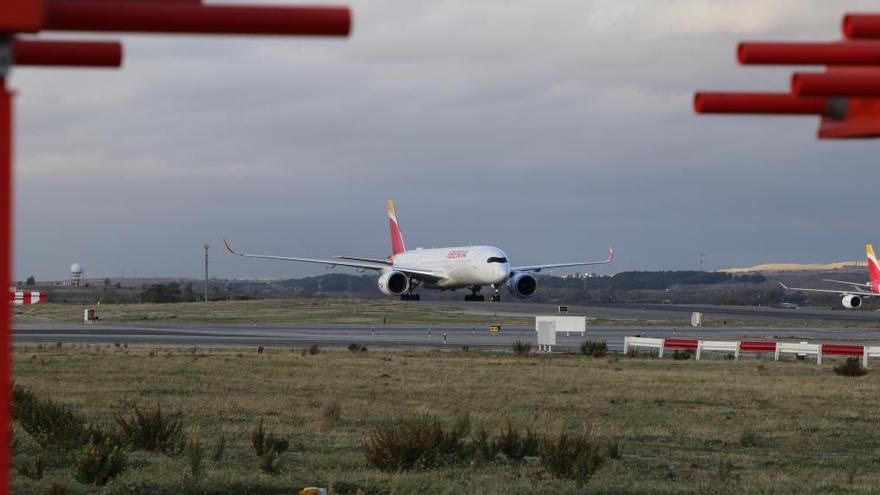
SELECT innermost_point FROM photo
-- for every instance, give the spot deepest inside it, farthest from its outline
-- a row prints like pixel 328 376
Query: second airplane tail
pixel 873 268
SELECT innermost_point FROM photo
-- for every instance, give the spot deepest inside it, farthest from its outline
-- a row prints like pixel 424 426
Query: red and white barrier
pixel 738 347
pixel 19 297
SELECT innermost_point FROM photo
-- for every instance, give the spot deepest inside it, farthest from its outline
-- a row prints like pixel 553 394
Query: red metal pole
pixel 758 103
pixel 144 17
pixel 64 53
pixel 838 53
pixel 6 278
pixel 191 2
pixel 861 25
pixel 835 84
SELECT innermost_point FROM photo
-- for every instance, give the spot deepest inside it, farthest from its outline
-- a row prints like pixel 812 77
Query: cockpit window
pixel 496 260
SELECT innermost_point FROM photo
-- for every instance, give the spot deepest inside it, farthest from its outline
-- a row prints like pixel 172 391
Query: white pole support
pixel 819 357
pixel 736 352
pixel 865 357
pixel 699 349
pixel 626 345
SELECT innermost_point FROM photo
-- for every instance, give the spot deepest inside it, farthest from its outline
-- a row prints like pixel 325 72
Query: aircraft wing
pixel 840 292
pixel 360 265
pixel 538 268
pixel 368 260
pixel 854 284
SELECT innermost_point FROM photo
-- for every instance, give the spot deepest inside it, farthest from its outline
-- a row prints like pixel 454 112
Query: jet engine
pixel 851 301
pixel 393 283
pixel 522 285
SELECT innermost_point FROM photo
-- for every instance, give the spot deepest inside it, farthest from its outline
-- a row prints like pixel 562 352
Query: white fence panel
pixel 718 346
pixel 800 349
pixel 643 342
pixel 871 351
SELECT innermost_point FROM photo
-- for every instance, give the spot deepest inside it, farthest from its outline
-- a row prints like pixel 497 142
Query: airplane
pixel 464 267
pixel 852 299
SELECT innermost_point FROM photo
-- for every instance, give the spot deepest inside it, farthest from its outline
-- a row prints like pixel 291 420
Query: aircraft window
pixel 496 260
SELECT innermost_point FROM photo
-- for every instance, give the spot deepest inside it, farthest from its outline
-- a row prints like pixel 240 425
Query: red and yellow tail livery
pixel 397 245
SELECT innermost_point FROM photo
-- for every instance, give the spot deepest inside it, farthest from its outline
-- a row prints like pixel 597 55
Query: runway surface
pixel 665 312
pixel 405 335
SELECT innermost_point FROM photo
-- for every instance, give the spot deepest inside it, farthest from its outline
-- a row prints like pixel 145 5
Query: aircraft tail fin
pixel 873 268
pixel 397 245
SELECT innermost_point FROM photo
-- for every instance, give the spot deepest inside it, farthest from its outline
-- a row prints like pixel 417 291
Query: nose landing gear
pixel 496 296
pixel 475 294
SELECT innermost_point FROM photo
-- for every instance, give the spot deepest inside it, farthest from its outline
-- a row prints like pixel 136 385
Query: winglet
pixel 784 286
pixel 229 248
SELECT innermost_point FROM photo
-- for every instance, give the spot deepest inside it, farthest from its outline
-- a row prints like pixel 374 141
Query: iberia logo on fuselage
pixel 456 254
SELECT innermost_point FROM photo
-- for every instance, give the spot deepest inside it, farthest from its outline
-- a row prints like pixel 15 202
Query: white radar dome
pixel 76 268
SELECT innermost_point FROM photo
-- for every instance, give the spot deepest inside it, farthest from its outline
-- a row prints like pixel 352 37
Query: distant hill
pixel 796 267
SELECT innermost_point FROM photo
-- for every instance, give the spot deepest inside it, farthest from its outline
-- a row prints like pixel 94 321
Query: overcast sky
pixel 550 129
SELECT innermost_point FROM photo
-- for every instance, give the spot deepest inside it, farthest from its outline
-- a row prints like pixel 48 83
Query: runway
pixel 665 312
pixel 406 335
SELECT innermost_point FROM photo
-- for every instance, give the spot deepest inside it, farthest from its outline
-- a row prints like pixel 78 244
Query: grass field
pixel 714 426
pixel 265 311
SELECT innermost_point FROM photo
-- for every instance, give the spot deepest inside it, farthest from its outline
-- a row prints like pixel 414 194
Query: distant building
pixel 76 272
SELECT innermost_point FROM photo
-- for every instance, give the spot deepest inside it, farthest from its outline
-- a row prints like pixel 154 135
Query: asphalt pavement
pixel 409 335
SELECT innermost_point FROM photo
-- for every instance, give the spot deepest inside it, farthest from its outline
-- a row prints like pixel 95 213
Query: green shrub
pixel 594 348
pixel 682 355
pixel 219 449
pixel 331 414
pixel 99 462
pixel 850 367
pixel 195 456
pixel 416 442
pixel 726 471
pixel 32 467
pixel 576 457
pixel 355 348
pixel 521 348
pixel 47 421
pixel 749 438
pixel 153 431
pixel 510 443
pixel 55 488
pixel 268 448
pixel 311 350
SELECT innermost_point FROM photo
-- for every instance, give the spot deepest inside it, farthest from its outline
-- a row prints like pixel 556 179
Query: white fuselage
pixel 460 266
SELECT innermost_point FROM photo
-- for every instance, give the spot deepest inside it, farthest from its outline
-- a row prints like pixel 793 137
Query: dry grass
pixel 267 311
pixel 680 425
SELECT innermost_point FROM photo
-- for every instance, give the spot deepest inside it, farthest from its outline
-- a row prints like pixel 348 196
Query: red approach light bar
pixel 831 84
pixel 21 16
pixel 63 53
pixel 836 53
pixel 861 26
pixel 191 2
pixel 759 103
pixel 186 18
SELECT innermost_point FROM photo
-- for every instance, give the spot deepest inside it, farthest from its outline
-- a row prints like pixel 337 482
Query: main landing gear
pixel 409 295
pixel 475 294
